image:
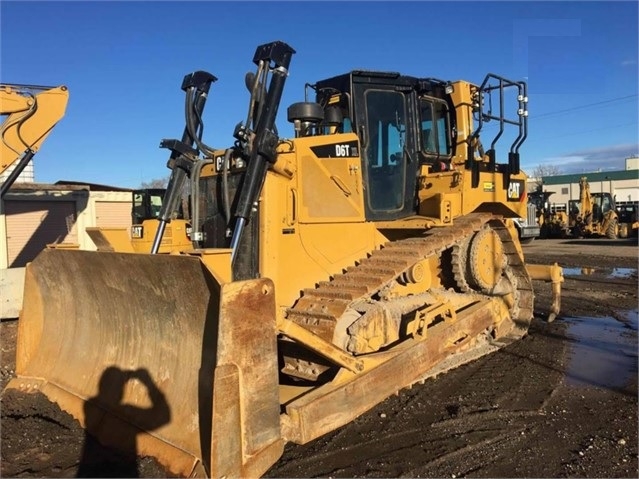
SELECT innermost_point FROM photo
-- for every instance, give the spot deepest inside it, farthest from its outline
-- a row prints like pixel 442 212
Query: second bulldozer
pixel 326 272
pixel 146 205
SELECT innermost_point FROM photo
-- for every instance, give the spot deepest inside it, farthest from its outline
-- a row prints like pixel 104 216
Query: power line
pixel 581 107
pixel 583 132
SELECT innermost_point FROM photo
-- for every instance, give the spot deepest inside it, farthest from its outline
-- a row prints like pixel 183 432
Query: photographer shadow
pixel 114 454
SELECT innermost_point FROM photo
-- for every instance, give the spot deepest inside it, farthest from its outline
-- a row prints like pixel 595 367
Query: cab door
pixel 386 131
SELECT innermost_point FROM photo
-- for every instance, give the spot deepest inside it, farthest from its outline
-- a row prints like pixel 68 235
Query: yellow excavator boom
pixel 30 113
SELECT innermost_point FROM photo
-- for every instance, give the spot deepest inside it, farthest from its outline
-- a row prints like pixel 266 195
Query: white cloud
pixel 626 63
pixel 608 158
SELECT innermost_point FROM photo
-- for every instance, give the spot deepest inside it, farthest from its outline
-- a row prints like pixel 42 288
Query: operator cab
pixel 405 122
pixel 147 204
pixel 402 122
pixel 602 203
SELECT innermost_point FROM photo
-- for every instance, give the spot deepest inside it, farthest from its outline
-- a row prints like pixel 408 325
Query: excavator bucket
pixel 153 347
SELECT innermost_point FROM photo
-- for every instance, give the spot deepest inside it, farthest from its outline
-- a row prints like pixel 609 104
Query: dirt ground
pixel 561 402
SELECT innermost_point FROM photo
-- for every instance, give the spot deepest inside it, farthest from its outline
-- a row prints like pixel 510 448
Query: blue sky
pixel 123 63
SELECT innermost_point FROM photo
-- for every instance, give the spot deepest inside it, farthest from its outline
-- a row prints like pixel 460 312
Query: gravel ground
pixel 562 402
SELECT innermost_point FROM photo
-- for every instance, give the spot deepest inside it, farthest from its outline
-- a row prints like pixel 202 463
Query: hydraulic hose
pixel 195 195
pixel 265 141
pixel 194 122
pixel 20 121
pixel 225 186
pixel 181 160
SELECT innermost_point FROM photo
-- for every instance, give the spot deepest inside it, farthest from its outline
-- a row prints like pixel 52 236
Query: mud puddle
pixel 610 273
pixel 603 350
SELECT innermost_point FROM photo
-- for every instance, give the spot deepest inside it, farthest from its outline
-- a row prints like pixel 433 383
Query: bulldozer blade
pixel 152 347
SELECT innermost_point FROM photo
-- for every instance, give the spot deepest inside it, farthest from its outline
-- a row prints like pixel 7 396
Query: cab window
pixel 139 213
pixel 435 128
pixel 156 205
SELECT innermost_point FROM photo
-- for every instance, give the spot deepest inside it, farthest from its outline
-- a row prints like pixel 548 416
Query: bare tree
pixel 541 171
pixel 155 183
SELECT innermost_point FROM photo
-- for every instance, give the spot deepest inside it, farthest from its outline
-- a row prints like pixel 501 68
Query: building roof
pixel 32 186
pixel 63 185
pixel 92 186
pixel 592 177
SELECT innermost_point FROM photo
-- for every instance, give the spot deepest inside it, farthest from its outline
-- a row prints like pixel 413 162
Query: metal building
pixel 622 185
pixel 33 215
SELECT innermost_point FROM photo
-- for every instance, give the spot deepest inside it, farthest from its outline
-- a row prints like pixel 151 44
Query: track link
pixel 319 309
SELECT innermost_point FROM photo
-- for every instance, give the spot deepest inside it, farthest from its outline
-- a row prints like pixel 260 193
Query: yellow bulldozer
pixel 146 205
pixel 326 271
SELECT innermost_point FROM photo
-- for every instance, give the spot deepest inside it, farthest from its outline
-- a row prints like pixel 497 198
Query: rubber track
pixel 319 309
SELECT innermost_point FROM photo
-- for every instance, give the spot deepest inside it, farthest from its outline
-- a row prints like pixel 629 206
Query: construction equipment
pixel 594 215
pixel 146 207
pixel 147 204
pixel 328 271
pixel 553 222
pixel 31 113
pixel 528 227
pixel 627 217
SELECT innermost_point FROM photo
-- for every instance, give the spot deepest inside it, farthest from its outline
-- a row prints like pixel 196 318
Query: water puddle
pixel 602 272
pixel 604 350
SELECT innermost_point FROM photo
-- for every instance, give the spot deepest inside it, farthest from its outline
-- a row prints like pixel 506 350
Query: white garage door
pixel 31 225
pixel 112 213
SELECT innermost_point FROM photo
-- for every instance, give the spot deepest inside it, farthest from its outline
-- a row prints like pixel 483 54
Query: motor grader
pixel 327 271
